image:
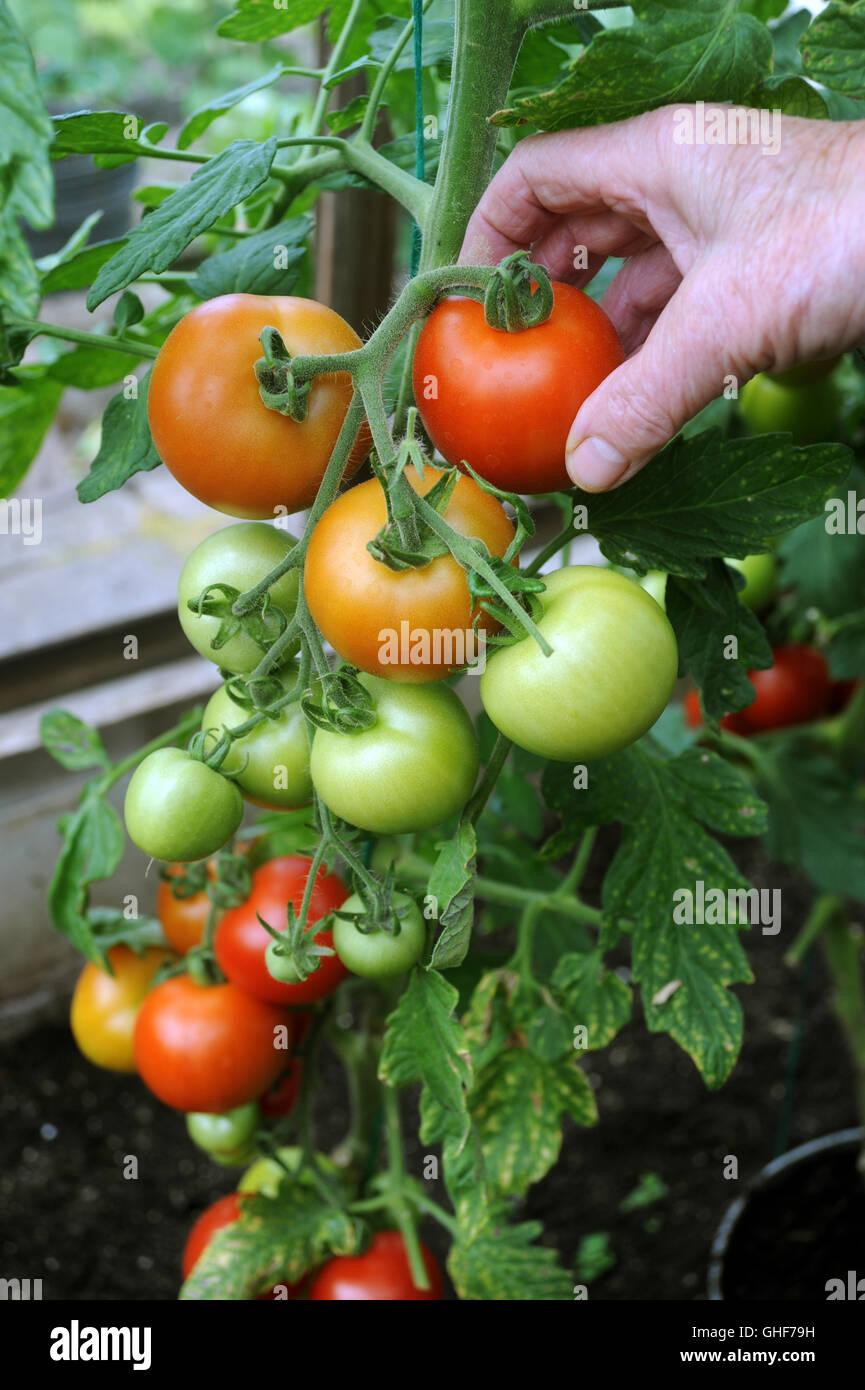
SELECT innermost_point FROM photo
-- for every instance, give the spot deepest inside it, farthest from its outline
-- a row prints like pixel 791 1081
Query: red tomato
pixel 183 920
pixel 218 1215
pixel 794 690
pixel 380 1275
pixel 241 941
pixel 354 598
pixel 505 402
pixel 209 424
pixel 208 1048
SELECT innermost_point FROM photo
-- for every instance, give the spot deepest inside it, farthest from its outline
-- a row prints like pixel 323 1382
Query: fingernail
pixel 594 464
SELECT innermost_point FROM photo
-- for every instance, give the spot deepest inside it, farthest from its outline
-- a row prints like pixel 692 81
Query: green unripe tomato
pixel 761 579
pixel 413 769
pixel 271 764
pixel 177 808
pixel 612 669
pixel 239 556
pixel 280 965
pixel 225 1133
pixel 379 955
pixel 809 413
pixel 236 1158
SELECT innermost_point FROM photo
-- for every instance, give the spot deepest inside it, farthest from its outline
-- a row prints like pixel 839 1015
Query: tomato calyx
pixel 342 705
pixel 406 541
pixel 519 295
pixel 293 954
pixel 263 624
pixel 276 383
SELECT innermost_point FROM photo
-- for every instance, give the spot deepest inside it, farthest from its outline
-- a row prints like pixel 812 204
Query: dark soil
pixel 70 1216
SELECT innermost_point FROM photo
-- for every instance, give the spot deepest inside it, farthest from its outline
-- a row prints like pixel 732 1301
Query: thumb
pixel 640 406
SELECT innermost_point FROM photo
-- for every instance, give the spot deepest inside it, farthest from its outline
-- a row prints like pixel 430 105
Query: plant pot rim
pixel 841 1139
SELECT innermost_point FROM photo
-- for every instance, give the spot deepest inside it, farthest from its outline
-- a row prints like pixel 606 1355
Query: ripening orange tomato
pixel 105 1007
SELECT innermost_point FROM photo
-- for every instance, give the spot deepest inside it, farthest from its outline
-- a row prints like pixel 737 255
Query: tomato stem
pixel 402 1213
pixel 130 346
pixel 183 730
pixel 483 791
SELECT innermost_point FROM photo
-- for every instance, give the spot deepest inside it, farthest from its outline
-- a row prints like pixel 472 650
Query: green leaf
pixel 833 48
pixel 664 804
pixel 158 240
pixel 501 1263
pixel 74 744
pixel 451 883
pixel 125 448
pixel 203 117
pixel 26 182
pixel 706 614
pixel 846 650
pixel 825 559
pixel 92 848
pixel 516 1106
pixel 275 1240
pixel 26 411
pixel 708 497
pixel 256 20
pixel 72 246
pixel 80 269
pixel 270 262
pixel 424 1042
pixel 651 1188
pixel 594 1257
pixel 817 821
pixel 674 51
pixel 91 367
pixel 593 997
pixel 348 116
pixel 96 132
pixel 19 278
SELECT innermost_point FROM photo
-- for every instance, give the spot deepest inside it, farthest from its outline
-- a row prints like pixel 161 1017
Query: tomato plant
pixel 402 624
pixel 412 770
pixel 373 952
pixel 505 402
pixel 382 1274
pixel 531 820
pixel 209 424
pixel 220 568
pixel 610 675
pixel 241 942
pixel 178 808
pixel 105 1006
pixel 208 1048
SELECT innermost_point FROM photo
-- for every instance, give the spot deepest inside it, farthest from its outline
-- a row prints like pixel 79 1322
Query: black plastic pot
pixel 80 188
pixel 800 1224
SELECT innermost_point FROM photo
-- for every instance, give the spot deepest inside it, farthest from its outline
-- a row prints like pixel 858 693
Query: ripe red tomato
pixel 354 599
pixel 241 941
pixel 505 402
pixel 794 690
pixel 382 1274
pixel 209 424
pixel 105 1006
pixel 209 1048
pixel 218 1215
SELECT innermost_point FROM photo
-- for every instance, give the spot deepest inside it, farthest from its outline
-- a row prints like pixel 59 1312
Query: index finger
pixel 547 176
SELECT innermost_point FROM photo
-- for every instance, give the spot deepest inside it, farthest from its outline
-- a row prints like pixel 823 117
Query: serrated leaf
pixel 451 882
pixel 125 447
pixel 158 240
pixel 92 848
pixel 516 1106
pixel 26 412
pixel 275 1240
pixel 833 48
pixel 204 116
pixel 74 744
pixel 424 1042
pixel 501 1263
pixel 674 51
pixel 594 998
pixel 270 262
pixel 664 805
pixel 705 614
pixel 25 133
pixel 705 497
